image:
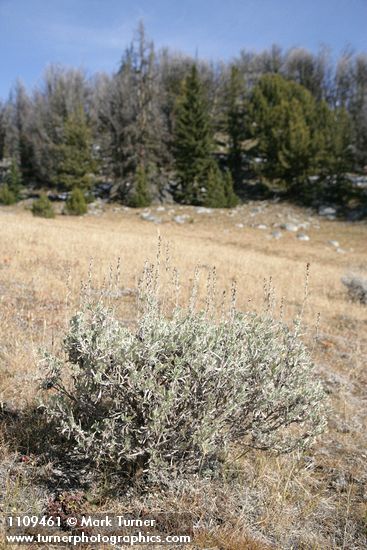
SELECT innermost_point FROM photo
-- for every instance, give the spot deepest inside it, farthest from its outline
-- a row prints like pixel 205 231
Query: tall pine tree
pixel 193 141
pixel 75 162
pixel 285 124
pixel 235 114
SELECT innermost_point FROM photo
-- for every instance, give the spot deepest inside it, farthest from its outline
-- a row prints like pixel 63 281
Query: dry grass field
pixel 317 500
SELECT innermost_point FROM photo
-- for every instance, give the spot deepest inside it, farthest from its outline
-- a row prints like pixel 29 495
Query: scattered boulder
pixel 289 227
pixel 277 234
pixel 166 192
pixel 261 226
pixel 334 243
pixel 181 219
pixel 149 217
pixel 58 196
pixel 256 210
pixel 357 288
pixel 303 237
pixel 203 210
pixel 358 181
pixel 95 212
pixel 329 212
pixel 96 207
pixel 239 225
pixel 118 191
pixel 102 190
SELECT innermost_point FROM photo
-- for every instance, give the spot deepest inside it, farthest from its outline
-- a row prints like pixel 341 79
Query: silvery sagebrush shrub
pixel 357 288
pixel 171 395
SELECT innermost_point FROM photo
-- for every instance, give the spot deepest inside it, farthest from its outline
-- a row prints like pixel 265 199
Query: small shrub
pixel 76 205
pixel 169 397
pixel 215 195
pixel 231 197
pixel 42 207
pixel 140 196
pixel 219 189
pixel 357 288
pixel 13 179
pixel 7 196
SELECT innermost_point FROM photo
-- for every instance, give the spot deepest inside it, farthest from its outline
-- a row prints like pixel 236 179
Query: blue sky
pixel 93 33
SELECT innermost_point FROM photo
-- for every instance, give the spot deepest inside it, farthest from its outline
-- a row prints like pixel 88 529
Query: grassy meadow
pixel 314 500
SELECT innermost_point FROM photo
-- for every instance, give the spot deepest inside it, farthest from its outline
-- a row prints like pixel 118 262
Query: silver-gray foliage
pixel 357 288
pixel 170 396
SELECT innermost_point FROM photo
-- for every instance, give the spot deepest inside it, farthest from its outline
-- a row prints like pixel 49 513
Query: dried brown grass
pixel 318 501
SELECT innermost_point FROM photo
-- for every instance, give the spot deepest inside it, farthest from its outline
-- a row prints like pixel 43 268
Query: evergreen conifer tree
pixel 219 191
pixel 76 204
pixel 75 163
pixel 140 196
pixel 13 179
pixel 336 131
pixel 284 123
pixel 230 195
pixel 192 139
pixel 214 194
pixel 295 148
pixel 42 207
pixel 7 196
pixel 235 100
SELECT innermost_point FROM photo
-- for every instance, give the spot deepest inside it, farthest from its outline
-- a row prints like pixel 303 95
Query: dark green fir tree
pixel 235 117
pixel 230 195
pixel 193 140
pixel 13 179
pixel 140 196
pixel 76 205
pixel 214 189
pixel 219 191
pixel 42 207
pixel 75 162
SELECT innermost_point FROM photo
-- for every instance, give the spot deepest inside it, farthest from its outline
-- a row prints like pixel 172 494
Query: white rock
pixel 149 217
pixel 276 234
pixel 334 243
pixel 181 219
pixel 290 227
pixel 303 237
pixel 239 225
pixel 203 210
pixel 261 226
pixel 327 211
